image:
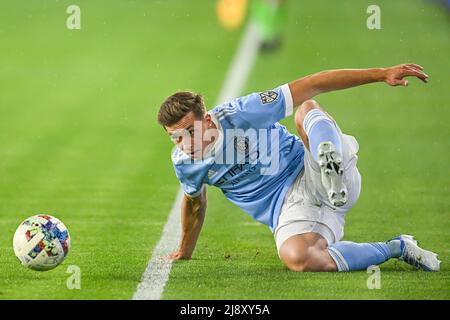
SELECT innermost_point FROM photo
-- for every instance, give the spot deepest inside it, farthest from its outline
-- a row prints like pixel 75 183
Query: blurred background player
pixel 231 13
pixel 269 16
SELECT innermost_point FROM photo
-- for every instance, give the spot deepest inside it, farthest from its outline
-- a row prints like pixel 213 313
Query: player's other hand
pixel 395 75
pixel 178 255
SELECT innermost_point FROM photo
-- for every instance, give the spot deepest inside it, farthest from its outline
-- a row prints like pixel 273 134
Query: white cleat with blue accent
pixel 414 255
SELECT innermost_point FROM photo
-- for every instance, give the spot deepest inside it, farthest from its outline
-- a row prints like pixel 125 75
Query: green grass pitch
pixel 79 140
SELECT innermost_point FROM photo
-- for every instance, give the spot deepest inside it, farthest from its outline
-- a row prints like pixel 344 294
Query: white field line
pixel 158 269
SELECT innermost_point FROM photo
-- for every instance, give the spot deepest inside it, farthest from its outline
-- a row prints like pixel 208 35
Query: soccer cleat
pixel 332 171
pixel 414 255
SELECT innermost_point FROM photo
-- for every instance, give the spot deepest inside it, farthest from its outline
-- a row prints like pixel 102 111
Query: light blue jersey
pixel 254 170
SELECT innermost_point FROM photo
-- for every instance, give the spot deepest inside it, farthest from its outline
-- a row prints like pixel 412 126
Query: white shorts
pixel 306 207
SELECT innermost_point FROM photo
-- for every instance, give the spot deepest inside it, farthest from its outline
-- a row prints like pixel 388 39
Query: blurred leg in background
pixel 270 17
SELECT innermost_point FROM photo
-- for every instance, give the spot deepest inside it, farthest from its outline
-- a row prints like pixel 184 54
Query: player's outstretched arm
pixel 326 81
pixel 192 216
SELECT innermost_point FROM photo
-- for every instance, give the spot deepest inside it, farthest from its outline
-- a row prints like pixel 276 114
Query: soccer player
pixel 301 186
pixel 270 19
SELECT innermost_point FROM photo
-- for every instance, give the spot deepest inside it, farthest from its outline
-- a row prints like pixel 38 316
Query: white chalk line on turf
pixel 158 269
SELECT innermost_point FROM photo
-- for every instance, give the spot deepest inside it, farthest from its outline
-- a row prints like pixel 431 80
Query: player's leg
pixel 307 252
pixel 351 256
pixel 310 245
pixel 270 19
pixel 314 126
pixel 300 116
pixel 309 231
pixel 308 237
pixel 323 139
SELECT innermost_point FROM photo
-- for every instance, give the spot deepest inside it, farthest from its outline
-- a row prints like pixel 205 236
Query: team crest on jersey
pixel 268 97
pixel 241 144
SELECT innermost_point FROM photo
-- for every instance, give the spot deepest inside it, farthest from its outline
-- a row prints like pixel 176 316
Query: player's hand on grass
pixel 178 255
pixel 395 75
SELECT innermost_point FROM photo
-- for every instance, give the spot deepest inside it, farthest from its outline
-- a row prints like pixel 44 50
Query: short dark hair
pixel 180 104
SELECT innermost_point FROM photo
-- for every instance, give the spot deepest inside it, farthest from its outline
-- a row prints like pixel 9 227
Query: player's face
pixel 188 134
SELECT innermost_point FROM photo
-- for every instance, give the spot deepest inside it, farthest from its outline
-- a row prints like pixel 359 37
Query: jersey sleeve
pixel 190 176
pixel 263 109
pixel 191 190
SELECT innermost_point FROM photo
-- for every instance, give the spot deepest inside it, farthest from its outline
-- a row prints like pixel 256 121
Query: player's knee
pixel 296 262
pixel 310 260
pixel 303 110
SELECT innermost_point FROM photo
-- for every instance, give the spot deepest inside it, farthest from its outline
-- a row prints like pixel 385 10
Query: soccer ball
pixel 41 242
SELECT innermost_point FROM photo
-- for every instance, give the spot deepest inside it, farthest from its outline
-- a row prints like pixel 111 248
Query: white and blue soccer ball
pixel 41 242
